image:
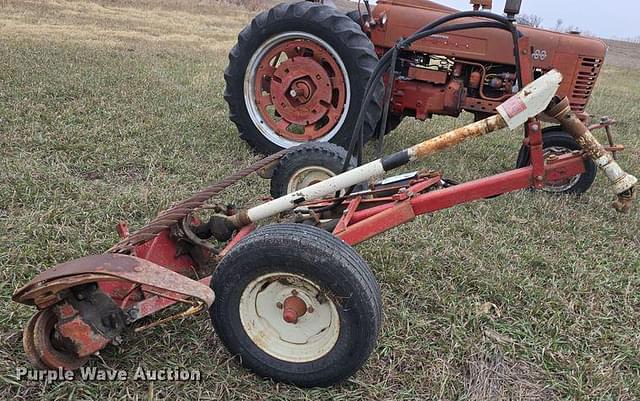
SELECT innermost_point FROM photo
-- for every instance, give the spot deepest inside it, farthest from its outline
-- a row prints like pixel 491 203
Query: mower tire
pixel 557 142
pixel 306 165
pixel 298 74
pixel 296 304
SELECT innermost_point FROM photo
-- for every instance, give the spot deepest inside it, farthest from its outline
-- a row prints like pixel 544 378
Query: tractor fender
pixel 45 289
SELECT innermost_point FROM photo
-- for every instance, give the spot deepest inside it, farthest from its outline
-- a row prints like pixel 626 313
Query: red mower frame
pixel 170 266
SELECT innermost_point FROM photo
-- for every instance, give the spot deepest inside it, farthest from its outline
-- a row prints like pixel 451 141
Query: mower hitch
pixel 623 184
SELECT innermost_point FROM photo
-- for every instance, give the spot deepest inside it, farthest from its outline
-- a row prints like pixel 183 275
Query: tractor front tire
pixel 296 304
pixel 298 74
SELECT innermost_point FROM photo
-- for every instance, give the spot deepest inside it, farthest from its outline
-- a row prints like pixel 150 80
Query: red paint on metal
pixel 579 59
pixel 371 222
pixel 533 131
pixel 564 167
pixel 156 303
pixel 421 186
pixel 85 340
pixel 123 229
pixel 243 232
pixel 400 213
pixel 293 309
pixel 307 90
pixel 162 250
pixel 348 215
pixel 372 211
pixel 105 267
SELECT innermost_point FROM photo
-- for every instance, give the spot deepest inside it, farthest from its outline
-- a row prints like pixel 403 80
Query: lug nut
pixel 279 305
pixel 310 309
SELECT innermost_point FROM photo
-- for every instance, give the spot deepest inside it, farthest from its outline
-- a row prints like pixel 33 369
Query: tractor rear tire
pixel 556 141
pixel 298 74
pixel 341 305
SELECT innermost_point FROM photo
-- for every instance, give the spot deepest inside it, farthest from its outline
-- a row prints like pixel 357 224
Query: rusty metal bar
pixel 623 184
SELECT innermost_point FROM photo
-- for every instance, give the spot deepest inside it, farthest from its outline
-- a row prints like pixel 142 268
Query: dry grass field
pixel 113 110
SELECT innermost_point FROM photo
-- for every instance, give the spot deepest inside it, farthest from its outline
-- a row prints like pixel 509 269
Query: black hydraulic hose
pixel 387 62
pixel 384 64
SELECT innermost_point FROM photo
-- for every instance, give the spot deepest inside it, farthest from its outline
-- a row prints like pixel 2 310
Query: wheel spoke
pixel 292 51
pixel 283 124
pixel 266 69
pixel 264 100
pixel 310 132
pixel 335 84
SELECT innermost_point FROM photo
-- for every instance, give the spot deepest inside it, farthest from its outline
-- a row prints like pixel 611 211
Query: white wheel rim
pixel 250 97
pixel 310 338
pixel 562 186
pixel 307 176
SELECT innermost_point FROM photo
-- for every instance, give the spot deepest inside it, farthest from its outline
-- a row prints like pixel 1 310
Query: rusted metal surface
pixel 156 303
pixel 192 310
pixel 85 340
pixel 307 90
pixel 110 266
pixel 623 184
pixel 484 4
pixel 347 215
pixel 607 123
pixel 576 128
pixel 457 136
pixel 579 59
pixel 49 354
pixel 28 342
pixel 624 202
pixel 293 309
pixel 423 74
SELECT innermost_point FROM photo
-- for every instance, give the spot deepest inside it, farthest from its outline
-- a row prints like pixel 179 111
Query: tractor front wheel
pixel 297 304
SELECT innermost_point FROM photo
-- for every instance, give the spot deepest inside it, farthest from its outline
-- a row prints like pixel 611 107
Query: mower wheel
pixel 42 347
pixel 298 74
pixel 297 304
pixel 307 164
pixel 557 142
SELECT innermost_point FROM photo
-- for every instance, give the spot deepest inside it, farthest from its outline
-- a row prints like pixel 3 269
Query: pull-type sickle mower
pixel 293 300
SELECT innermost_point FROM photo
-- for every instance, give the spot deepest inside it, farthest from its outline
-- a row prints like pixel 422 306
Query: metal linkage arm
pixel 623 184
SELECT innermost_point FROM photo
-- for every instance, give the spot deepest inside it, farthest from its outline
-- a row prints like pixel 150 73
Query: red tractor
pixel 299 71
pixel 293 299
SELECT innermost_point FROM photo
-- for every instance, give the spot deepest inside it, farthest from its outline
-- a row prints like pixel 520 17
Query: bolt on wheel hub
pixel 289 317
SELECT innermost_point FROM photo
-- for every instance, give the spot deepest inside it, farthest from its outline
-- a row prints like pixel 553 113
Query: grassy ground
pixel 110 112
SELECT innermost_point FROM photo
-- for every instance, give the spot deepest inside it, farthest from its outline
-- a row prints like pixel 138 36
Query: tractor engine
pixel 474 70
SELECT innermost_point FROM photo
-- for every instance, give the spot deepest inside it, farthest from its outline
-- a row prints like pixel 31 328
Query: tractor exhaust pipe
pixel 623 184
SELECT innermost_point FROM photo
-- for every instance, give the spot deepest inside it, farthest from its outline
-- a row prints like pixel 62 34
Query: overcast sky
pixel 608 19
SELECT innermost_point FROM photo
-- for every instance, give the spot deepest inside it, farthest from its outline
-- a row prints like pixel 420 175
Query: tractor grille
pixel 588 71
